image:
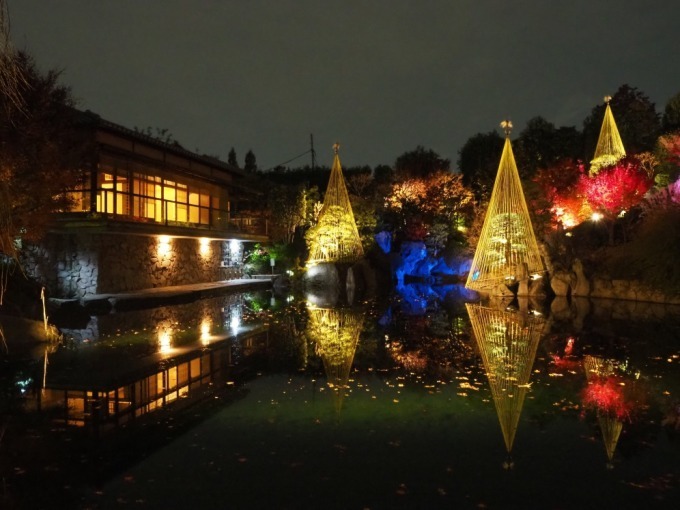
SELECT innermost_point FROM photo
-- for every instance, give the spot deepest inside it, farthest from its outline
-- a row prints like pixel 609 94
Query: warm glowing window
pixel 144 196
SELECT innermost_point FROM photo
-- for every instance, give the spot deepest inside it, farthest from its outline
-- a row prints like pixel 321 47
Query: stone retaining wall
pixel 575 283
pixel 77 265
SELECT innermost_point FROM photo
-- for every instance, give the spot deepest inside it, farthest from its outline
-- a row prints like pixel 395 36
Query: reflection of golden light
pixel 204 246
pixel 336 334
pixel 235 319
pixel 164 248
pixel 507 342
pixel 205 331
pixel 165 339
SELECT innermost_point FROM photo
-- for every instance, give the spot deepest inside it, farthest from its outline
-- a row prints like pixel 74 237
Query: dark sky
pixel 380 76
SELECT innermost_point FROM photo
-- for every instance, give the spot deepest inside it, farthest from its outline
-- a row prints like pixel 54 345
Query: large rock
pixel 561 282
pixel 581 286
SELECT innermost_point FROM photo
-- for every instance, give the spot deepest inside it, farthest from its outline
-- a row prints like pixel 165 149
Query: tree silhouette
pixel 231 159
pixel 250 164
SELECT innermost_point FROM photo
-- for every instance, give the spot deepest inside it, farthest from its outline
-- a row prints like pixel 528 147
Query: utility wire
pixel 292 159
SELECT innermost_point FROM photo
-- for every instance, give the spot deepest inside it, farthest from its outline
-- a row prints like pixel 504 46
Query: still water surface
pixel 421 401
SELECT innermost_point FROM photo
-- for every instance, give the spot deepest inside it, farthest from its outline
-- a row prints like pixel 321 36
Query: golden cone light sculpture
pixel 507 342
pixel 507 249
pixel 609 148
pixel 335 237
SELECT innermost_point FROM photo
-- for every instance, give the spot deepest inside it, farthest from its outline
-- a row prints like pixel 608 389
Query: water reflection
pixel 611 392
pixel 133 363
pixel 507 341
pixel 421 387
pixel 335 333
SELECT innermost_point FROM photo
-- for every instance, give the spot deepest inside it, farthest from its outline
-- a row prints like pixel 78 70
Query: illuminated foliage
pixel 616 188
pixel 421 203
pixel 671 145
pixel 507 246
pixel 559 187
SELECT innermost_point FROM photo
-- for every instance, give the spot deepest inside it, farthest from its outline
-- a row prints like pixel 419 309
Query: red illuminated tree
pixel 560 193
pixel 617 188
pixel 671 146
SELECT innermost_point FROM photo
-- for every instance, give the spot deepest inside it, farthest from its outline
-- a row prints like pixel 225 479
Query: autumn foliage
pixel 617 188
pixel 573 195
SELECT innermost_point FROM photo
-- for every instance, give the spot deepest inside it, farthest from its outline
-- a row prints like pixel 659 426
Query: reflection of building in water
pixel 605 393
pixel 110 396
pixel 197 313
pixel 336 334
pixel 507 342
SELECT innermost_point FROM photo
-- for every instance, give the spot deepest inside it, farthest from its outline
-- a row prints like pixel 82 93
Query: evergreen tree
pixel 250 162
pixel 231 159
pixel 671 115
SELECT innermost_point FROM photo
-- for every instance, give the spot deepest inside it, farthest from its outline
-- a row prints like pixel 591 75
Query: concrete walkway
pixel 157 296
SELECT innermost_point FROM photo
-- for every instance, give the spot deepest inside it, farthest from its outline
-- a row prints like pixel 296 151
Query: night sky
pixel 380 76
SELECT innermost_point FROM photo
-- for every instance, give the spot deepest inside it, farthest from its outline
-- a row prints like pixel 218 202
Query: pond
pixel 427 399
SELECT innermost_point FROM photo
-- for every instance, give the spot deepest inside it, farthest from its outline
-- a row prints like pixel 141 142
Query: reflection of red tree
pixel 566 362
pixel 606 395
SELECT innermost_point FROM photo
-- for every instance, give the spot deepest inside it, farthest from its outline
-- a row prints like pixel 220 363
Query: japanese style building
pixel 147 214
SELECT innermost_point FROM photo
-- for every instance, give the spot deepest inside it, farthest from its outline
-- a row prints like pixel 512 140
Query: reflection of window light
pixel 234 247
pixel 204 246
pixel 234 319
pixel 164 247
pixel 205 331
pixel 164 340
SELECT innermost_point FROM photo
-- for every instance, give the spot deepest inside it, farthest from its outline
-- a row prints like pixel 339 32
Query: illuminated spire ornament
pixel 335 237
pixel 507 249
pixel 507 342
pixel 609 148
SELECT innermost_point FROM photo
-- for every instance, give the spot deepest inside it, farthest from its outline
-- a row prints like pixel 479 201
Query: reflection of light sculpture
pixel 609 148
pixel 205 331
pixel 336 333
pixel 335 237
pixel 507 248
pixel 507 342
pixel 164 338
pixel 606 395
